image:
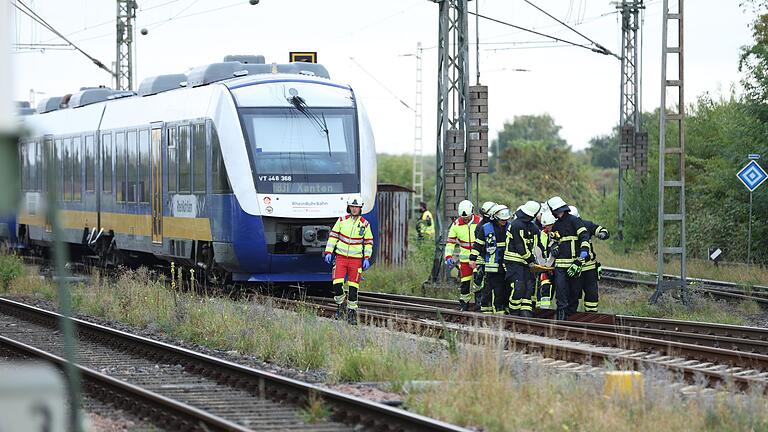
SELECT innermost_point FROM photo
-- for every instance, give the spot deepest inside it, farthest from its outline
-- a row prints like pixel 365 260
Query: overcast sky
pixel 579 88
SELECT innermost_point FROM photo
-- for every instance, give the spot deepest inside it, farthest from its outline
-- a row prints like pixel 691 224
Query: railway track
pixel 184 390
pixel 694 356
pixel 718 289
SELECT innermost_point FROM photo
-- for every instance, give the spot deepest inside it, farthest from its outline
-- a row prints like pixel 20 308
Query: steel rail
pixel 185 416
pixel 627 358
pixel 345 408
pixel 738 338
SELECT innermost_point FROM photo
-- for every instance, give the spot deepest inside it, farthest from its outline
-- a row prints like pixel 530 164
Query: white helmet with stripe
pixel 465 208
pixel 574 211
pixel 500 212
pixel 487 208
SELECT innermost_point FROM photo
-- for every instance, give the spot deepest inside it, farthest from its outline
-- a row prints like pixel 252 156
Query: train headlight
pixel 286 238
pixel 314 235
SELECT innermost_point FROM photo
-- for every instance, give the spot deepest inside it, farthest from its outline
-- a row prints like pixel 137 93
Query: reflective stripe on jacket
pixel 522 238
pixel 351 237
pixel 573 238
pixel 490 246
pixel 461 234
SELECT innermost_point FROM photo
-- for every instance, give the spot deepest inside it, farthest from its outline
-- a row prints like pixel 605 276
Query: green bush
pixel 11 267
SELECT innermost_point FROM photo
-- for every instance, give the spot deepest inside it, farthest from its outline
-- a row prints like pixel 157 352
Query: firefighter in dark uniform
pixel 490 245
pixel 522 239
pixel 571 251
pixel 478 274
pixel 591 272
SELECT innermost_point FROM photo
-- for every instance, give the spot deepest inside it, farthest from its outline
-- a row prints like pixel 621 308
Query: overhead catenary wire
pixel 38 19
pixel 352 59
pixel 599 46
pixel 555 38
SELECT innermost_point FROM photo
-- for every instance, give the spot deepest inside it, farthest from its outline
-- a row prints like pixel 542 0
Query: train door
pixel 156 192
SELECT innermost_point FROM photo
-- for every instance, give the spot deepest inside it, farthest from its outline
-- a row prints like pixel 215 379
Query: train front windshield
pixel 307 151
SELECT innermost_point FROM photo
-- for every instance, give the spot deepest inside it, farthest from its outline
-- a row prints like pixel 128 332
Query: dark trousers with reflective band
pixel 498 291
pixel 568 288
pixel 589 288
pixel 545 292
pixel 519 279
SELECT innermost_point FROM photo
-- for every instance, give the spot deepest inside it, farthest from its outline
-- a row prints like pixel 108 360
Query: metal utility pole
pixel 418 160
pixel 452 183
pixel 126 15
pixel 672 180
pixel 633 148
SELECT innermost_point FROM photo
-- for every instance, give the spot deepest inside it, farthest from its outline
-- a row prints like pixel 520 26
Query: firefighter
pixel 478 272
pixel 592 271
pixel 425 226
pixel 489 248
pixel 351 241
pixel 571 251
pixel 544 257
pixel 522 238
pixel 462 235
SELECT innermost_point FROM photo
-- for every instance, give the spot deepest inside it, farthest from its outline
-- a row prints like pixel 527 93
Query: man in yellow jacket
pixel 351 240
pixel 462 235
pixel 425 226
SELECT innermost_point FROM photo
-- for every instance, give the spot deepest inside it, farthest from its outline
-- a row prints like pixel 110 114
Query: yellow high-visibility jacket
pixel 351 237
pixel 427 224
pixel 461 234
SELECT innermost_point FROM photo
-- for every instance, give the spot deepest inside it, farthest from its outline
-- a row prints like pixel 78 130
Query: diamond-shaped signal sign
pixel 752 175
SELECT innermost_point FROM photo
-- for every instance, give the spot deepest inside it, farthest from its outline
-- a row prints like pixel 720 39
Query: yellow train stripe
pixel 134 224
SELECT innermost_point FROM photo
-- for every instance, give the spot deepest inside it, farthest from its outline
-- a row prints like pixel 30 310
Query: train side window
pixel 219 176
pixel 24 166
pixel 68 190
pixel 184 160
pixel 77 168
pixel 120 157
pixel 56 171
pixel 106 162
pixel 198 157
pixel 143 185
pixel 132 167
pixel 39 166
pixel 173 167
pixel 90 164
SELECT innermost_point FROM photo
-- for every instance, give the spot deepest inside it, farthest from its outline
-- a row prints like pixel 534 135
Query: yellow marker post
pixel 173 276
pixel 627 385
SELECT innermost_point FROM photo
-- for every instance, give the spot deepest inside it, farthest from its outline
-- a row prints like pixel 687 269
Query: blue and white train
pixel 239 168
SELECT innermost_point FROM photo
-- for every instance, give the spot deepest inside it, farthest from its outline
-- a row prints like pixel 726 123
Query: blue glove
pixel 328 258
pixel 366 264
pixel 583 255
pixel 449 261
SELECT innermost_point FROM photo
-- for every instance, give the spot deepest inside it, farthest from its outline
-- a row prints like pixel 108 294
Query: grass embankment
pixel 646 261
pixel 481 386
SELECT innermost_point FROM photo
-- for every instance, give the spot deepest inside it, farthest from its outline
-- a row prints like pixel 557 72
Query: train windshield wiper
pixel 303 108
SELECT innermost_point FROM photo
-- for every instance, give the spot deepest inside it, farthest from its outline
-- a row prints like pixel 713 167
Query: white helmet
pixel 500 212
pixel 545 207
pixel 574 211
pixel 547 218
pixel 354 201
pixel 487 208
pixel 531 208
pixel 465 208
pixel 556 204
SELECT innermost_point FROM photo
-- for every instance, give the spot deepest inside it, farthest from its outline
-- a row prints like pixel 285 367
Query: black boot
pixel 463 306
pixel 560 314
pixel 352 317
pixel 341 311
pixel 526 314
